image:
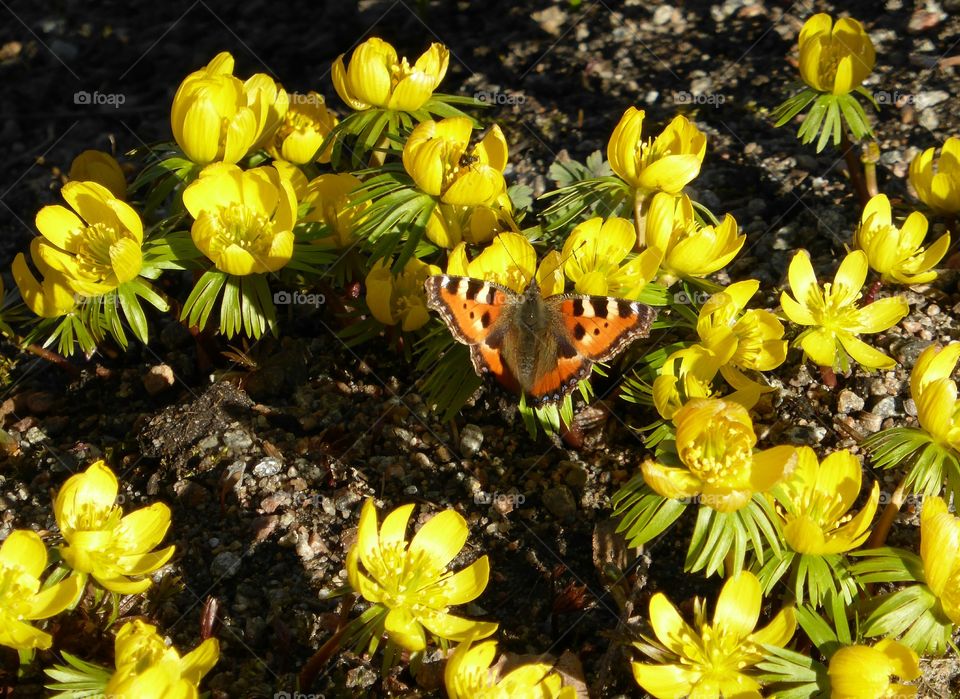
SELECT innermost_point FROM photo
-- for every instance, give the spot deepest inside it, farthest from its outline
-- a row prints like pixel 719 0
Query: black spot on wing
pixel 564 348
pixel 578 307
pixel 473 288
pixel 599 306
pixel 579 331
pixel 484 319
pixel 452 285
pixel 624 308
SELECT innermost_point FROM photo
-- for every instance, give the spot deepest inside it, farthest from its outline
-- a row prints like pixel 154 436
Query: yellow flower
pixel 436 156
pixel 469 675
pixel 937 182
pixel 103 542
pixel 329 198
pixel 713 659
pixel 96 247
pixel 715 441
pixel 666 163
pixel 102 168
pixel 22 560
pixel 399 298
pixel 147 668
pixel 689 249
pixel 940 551
pixel 243 221
pixel 593 253
pixel 689 372
pixel 510 261
pixel 863 672
pixel 897 253
pixel 217 117
pixel 48 297
pixel 833 313
pixel 835 57
pixel 305 125
pixel 815 501
pixel 935 393
pixel 411 581
pixel 451 224
pixel 375 77
pixel 756 334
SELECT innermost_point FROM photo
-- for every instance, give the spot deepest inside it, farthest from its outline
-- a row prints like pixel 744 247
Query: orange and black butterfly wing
pixel 591 329
pixel 473 311
pixel 600 327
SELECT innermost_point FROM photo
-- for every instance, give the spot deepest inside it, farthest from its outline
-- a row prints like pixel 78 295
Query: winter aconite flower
pixel 756 334
pixel 305 125
pixel 937 180
pixel 102 168
pixel 935 393
pixel 940 551
pixel 816 500
pixel 715 442
pixel 243 220
pixel 897 254
pixel 689 249
pixel 375 77
pixel 410 582
pixel 835 58
pixel 101 540
pixel 510 261
pixel 148 668
pixel 218 117
pixel 832 315
pixel 95 245
pixel 22 560
pixel 437 155
pixel 329 199
pixel 451 224
pixel 864 672
pixel 594 252
pixel 666 163
pixel 713 659
pixel 399 298
pixel 469 675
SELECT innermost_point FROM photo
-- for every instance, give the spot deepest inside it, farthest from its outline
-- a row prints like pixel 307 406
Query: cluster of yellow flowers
pixel 117 550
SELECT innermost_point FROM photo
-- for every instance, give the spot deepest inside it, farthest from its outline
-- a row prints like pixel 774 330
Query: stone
pixel 471 439
pixel 224 565
pixel 158 379
pixel 560 503
pixel 270 466
pixel 849 402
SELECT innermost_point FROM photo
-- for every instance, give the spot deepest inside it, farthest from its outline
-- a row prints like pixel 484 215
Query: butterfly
pixel 542 346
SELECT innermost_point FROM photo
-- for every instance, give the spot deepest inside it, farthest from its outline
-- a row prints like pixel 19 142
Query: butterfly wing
pixel 472 310
pixel 600 327
pixel 588 329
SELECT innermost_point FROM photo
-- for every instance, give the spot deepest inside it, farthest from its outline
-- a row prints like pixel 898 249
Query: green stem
pixel 855 168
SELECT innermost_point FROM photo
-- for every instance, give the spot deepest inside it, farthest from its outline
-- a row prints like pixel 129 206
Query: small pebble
pixel 849 402
pixel 270 466
pixel 471 439
pixel 224 565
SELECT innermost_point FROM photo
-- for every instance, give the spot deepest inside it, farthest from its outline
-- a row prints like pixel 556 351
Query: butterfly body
pixel 541 346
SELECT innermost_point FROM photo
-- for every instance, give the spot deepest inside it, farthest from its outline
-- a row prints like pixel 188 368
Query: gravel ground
pixel 265 469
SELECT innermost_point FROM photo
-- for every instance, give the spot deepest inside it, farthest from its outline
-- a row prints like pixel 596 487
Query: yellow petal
pixel 881 315
pixel 664 681
pixel 467 584
pixel 820 345
pixel 671 630
pixel 675 483
pixel 864 354
pixel 24 548
pixel 440 538
pixel 738 606
pixel 54 599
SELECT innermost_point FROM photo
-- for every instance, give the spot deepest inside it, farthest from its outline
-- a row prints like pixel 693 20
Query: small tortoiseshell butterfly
pixel 541 346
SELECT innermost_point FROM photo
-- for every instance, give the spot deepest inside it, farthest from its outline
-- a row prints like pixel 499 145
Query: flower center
pixel 405 577
pixel 94 244
pixel 720 454
pixel 16 588
pixel 835 308
pixel 242 226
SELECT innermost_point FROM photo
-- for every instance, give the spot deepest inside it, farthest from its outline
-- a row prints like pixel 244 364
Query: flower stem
pixel 828 376
pixel 54 358
pixel 854 167
pixel 640 217
pixel 882 528
pixel 871 157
